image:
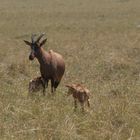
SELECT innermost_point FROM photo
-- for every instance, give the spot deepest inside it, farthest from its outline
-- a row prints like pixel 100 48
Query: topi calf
pixel 80 93
pixel 36 84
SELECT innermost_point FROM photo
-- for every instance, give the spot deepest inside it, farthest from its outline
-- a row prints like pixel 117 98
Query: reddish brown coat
pixel 52 66
pixel 79 93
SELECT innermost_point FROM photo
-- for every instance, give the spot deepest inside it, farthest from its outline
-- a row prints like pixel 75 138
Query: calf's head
pixel 71 89
pixel 35 84
pixel 35 45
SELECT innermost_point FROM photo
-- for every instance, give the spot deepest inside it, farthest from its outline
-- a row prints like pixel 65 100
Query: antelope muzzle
pixel 31 56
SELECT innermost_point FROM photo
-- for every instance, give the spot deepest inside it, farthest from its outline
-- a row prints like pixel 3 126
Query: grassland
pixel 100 41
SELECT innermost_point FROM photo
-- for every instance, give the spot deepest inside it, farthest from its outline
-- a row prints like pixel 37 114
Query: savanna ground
pixel 100 42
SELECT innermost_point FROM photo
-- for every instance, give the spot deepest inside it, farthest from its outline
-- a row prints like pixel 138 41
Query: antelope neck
pixel 40 56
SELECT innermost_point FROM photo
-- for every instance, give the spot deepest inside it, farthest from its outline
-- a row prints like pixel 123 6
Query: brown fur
pixel 80 93
pixel 52 65
pixel 35 84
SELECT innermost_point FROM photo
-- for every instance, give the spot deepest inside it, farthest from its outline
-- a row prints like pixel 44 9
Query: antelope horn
pixel 32 38
pixel 38 39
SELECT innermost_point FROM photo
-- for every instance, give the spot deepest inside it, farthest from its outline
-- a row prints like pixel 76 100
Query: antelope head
pixel 35 45
pixel 71 89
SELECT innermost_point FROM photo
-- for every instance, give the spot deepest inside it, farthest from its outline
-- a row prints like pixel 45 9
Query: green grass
pixel 99 41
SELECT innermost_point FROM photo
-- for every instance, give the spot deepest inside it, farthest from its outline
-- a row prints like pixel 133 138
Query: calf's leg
pixel 88 103
pixel 82 106
pixel 75 104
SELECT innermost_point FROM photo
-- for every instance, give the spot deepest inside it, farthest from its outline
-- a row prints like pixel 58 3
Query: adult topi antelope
pixel 52 66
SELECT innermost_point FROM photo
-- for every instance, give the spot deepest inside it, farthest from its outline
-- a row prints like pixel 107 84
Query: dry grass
pixel 100 43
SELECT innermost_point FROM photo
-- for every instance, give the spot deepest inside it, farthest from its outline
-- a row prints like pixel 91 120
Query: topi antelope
pixel 79 93
pixel 35 84
pixel 52 65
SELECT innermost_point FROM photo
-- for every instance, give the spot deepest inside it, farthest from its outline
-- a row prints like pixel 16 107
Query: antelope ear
pixel 43 42
pixel 67 85
pixel 27 43
pixel 70 86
